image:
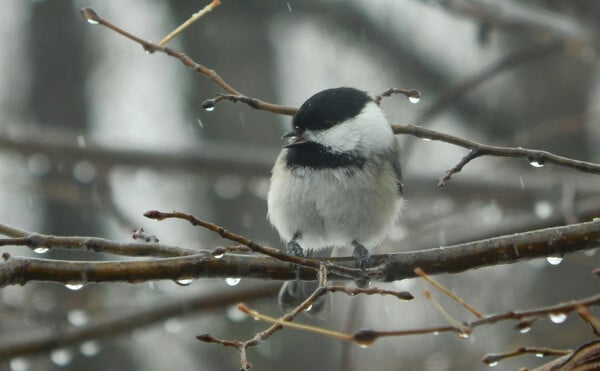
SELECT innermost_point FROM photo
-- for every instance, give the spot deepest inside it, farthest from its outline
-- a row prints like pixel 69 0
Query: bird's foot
pixel 363 261
pixel 295 249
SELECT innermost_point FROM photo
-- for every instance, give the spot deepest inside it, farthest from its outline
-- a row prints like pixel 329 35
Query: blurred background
pixel 93 132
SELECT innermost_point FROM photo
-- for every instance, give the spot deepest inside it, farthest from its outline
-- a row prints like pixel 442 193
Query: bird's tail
pixel 293 293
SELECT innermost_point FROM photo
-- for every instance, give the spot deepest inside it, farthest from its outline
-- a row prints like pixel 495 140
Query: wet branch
pixel 557 241
pixel 536 158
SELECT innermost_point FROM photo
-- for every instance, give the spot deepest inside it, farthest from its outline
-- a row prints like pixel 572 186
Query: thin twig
pixel 278 321
pixel 465 331
pixel 92 17
pixel 493 358
pixel 95 244
pixel 419 272
pixel 278 324
pixel 213 4
pixel 353 290
pixel 366 337
pixel 412 95
pixel 269 251
pixel 592 320
pixel 254 103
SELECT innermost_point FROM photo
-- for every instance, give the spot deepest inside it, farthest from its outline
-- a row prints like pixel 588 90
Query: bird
pixel 337 182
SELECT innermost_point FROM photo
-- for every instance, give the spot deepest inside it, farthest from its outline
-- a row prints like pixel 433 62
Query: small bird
pixel 336 183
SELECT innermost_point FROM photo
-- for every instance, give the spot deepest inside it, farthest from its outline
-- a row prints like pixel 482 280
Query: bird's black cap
pixel 330 107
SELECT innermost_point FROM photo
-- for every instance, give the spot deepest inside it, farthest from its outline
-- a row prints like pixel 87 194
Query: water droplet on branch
pixel 90 16
pixel 208 105
pixel 554 260
pixel 230 281
pixel 536 163
pixel 74 286
pixel 523 327
pixel 414 99
pixel 558 317
pixel 184 281
pixel 365 338
pixel 40 250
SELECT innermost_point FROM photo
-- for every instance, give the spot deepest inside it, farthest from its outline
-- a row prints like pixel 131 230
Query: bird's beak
pixel 295 138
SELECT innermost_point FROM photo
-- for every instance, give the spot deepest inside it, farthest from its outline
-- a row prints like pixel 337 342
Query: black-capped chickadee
pixel 336 183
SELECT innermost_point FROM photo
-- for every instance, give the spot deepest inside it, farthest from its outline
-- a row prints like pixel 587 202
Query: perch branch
pixel 389 267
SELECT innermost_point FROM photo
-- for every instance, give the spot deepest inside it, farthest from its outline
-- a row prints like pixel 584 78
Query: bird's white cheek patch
pixel 340 138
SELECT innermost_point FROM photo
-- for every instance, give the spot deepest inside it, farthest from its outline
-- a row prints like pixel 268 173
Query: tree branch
pixel 537 158
pixel 557 241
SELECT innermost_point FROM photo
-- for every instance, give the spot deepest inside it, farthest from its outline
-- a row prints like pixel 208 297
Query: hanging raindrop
pixel 208 105
pixel 232 281
pixel 558 317
pixel 414 99
pixel 90 15
pixel 554 260
pixel 74 286
pixel 535 163
pixel 184 281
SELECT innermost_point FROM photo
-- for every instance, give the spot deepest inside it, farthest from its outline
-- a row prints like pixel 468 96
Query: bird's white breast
pixel 333 207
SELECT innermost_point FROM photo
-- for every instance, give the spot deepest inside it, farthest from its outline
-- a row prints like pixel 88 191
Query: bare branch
pixel 242 346
pixel 257 104
pixel 208 8
pixel 413 96
pixel 95 244
pixel 536 158
pixel 447 292
pixel 563 309
pixel 556 241
pixel 492 359
pixel 92 17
